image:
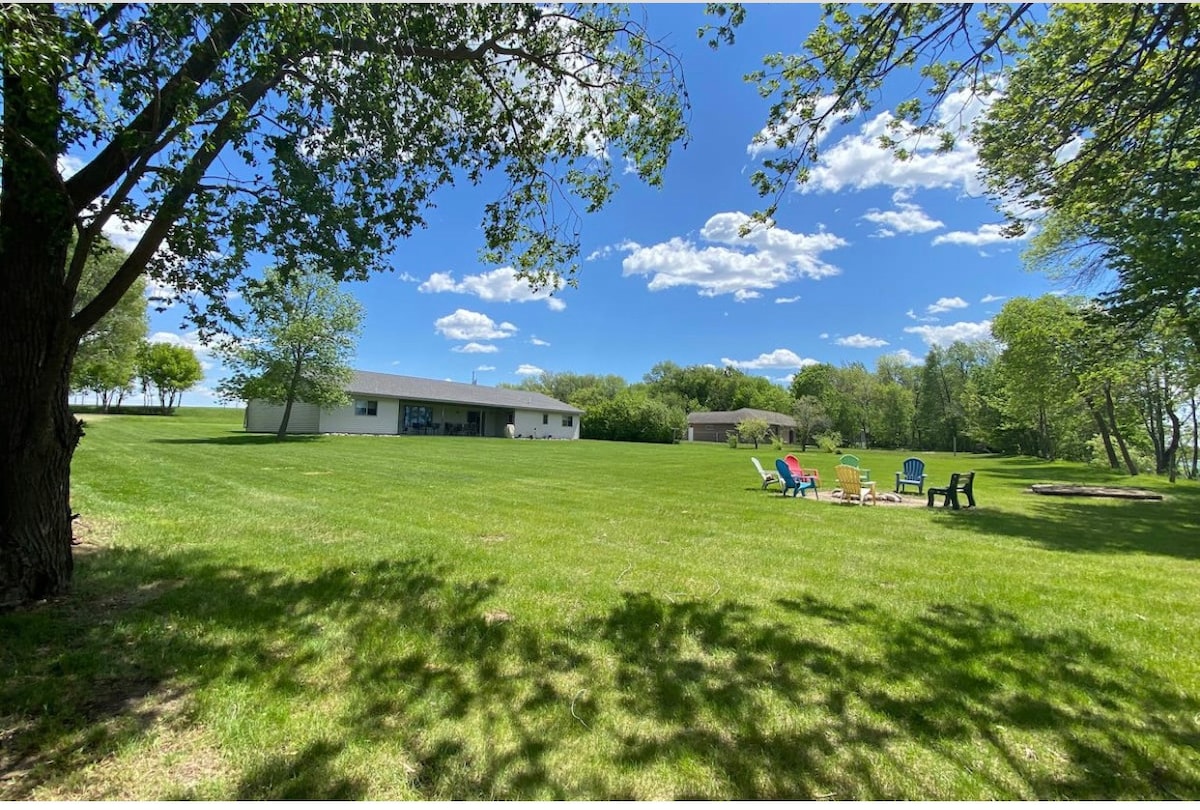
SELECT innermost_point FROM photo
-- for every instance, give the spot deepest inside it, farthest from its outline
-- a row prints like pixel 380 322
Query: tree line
pixel 1060 378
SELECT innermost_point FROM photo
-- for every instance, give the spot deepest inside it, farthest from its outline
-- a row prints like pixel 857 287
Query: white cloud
pixel 945 335
pixel 823 336
pixel 945 305
pixel 764 259
pixel 608 250
pixel 907 357
pixel 464 324
pixel 500 285
pixel 476 348
pixel 69 165
pixel 409 277
pixel 527 370
pixel 860 162
pixel 539 342
pixel 161 295
pixel 861 342
pixel 485 368
pixel 988 234
pixel 989 298
pixel 742 296
pixel 125 235
pixel 791 300
pixel 780 358
pixel 907 218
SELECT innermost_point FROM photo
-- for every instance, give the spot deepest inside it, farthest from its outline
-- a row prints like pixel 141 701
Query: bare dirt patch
pixel 88 534
pixel 884 499
pixel 1089 491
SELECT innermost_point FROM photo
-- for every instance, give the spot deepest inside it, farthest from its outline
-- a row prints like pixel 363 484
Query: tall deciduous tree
pixel 317 132
pixel 1038 383
pixel 300 337
pixel 810 418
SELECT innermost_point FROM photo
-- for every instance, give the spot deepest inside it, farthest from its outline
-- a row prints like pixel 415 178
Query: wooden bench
pixel 959 482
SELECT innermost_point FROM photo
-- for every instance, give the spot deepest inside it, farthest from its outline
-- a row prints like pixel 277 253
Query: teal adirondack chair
pixel 790 481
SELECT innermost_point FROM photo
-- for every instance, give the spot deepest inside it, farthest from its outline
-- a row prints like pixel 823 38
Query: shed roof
pixel 371 383
pixel 733 417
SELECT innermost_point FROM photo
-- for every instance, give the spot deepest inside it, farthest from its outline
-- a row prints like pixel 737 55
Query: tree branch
pixel 128 145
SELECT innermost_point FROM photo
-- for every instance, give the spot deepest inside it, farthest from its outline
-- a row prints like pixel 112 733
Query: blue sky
pixel 874 257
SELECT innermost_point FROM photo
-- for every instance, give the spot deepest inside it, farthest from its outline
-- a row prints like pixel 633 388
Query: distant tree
pixel 753 430
pixel 895 404
pixel 828 384
pixel 1037 381
pixel 171 370
pixel 300 337
pixel 580 390
pixel 106 360
pixel 810 419
pixel 691 388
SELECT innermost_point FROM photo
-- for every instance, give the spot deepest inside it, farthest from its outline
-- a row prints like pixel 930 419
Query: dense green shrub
pixel 632 416
pixel 829 442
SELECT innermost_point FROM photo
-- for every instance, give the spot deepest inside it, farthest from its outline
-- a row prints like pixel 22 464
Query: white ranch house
pixel 390 404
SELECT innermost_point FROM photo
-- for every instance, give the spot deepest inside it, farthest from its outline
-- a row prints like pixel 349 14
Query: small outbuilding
pixel 391 404
pixel 715 426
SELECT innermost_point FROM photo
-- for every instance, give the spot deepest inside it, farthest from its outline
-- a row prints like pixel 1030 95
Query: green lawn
pixel 408 618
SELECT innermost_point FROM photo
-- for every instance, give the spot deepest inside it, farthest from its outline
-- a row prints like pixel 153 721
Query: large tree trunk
pixel 38 434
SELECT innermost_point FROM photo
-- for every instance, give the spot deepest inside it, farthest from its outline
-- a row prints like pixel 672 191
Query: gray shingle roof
pixel 733 417
pixel 370 383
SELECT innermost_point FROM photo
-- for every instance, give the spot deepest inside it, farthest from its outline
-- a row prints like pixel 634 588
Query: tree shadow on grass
pixel 238 439
pixel 412 669
pixel 774 712
pixel 1168 528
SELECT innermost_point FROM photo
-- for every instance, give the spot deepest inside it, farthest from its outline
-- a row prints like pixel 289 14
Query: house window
pixel 568 420
pixel 417 418
pixel 545 419
pixel 366 407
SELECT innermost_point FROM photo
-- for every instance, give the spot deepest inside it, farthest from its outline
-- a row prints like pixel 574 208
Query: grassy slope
pixel 359 617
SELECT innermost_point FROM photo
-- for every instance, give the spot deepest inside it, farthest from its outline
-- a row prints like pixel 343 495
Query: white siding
pixel 530 423
pixel 343 420
pixel 264 418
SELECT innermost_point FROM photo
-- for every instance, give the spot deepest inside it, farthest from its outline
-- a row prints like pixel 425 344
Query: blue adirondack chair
pixel 912 475
pixel 790 481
